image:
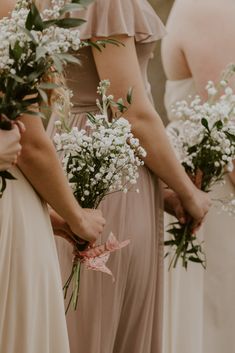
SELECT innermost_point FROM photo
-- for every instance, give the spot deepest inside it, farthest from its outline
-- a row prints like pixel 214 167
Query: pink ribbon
pixel 95 258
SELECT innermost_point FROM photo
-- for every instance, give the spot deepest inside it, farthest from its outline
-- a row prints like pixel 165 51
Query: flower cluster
pixel 102 159
pixel 55 9
pixel 203 137
pixel 98 161
pixel 11 32
pixel 33 52
pixel 22 28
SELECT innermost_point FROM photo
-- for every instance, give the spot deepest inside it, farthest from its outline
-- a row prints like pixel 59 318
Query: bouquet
pixel 100 160
pixel 203 138
pixel 33 52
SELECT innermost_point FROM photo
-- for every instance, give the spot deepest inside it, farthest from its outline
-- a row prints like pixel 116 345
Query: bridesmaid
pixel 31 300
pixel 199 305
pixel 126 316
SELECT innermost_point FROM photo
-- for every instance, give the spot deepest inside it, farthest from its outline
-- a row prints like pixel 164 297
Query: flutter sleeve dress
pixel 125 316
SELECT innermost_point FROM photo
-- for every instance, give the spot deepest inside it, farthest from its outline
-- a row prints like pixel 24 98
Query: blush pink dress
pixel 125 316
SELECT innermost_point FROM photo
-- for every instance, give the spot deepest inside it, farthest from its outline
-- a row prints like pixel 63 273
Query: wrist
pixel 76 220
pixel 188 193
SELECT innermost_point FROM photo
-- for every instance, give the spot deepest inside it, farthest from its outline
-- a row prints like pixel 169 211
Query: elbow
pixel 143 119
pixel 33 151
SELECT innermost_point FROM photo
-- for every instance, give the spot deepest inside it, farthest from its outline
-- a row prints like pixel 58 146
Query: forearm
pixel 161 158
pixel 42 168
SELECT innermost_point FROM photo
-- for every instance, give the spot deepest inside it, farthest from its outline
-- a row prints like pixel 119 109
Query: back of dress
pixel 132 18
pixel 211 329
pixel 124 317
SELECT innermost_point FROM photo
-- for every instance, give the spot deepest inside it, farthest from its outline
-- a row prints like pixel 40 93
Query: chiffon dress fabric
pixel 125 316
pixel 32 316
pixel 198 305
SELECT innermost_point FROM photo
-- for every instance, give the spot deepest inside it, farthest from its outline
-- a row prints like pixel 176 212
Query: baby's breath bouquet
pixel 98 161
pixel 34 47
pixel 203 138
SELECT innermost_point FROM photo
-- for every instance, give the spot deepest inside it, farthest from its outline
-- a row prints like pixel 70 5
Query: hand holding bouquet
pixel 203 138
pixel 99 161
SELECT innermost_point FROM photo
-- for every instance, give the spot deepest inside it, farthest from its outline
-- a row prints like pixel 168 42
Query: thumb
pixel 180 214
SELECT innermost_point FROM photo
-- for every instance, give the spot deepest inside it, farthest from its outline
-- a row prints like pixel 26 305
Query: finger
pixel 196 225
pixel 20 126
pixel 180 214
pixel 16 130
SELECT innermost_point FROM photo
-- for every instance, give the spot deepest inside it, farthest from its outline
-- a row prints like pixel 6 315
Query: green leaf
pixel 69 22
pixel 34 75
pixel 69 58
pixel 49 23
pixel 17 78
pixel 169 242
pixel 34 20
pixel 195 259
pixel 57 64
pixel 17 51
pixel 5 174
pixel 120 101
pixel 40 52
pixel 94 45
pixel 43 95
pixel 219 124
pixel 205 123
pixel 129 95
pixel 29 34
pixel 84 3
pixel 112 41
pixel 91 118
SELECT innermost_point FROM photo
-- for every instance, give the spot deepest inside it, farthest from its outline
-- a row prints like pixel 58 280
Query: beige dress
pixel 199 305
pixel 125 316
pixel 32 316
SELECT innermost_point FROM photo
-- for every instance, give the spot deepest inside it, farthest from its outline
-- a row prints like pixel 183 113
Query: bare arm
pixel 120 65
pixel 39 163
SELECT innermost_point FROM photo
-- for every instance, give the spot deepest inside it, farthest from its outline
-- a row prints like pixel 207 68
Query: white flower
pixel 212 91
pixel 230 167
pixel 58 123
pixel 228 91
